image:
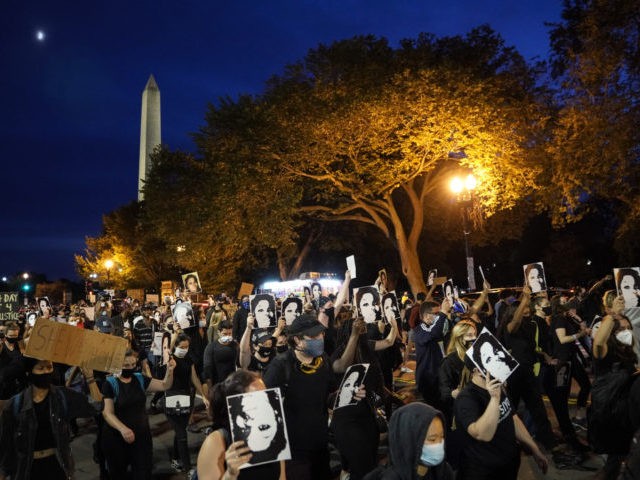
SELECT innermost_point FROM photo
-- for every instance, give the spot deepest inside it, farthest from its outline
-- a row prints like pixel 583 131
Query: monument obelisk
pixel 150 136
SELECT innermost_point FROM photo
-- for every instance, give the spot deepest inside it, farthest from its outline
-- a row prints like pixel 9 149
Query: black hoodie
pixel 407 431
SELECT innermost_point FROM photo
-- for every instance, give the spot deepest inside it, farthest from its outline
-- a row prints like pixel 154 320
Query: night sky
pixel 70 103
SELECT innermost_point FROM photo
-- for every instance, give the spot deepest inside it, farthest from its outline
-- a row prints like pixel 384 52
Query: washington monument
pixel 150 136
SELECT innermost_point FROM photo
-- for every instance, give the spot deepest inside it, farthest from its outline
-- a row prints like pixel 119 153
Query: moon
pixel 40 36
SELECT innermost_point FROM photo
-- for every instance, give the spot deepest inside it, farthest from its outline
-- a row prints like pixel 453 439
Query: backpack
pixel 115 386
pixel 16 402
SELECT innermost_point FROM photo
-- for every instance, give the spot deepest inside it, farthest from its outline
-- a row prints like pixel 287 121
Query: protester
pixel 257 354
pixel 35 427
pixel 612 421
pixel 220 458
pixel 306 378
pixel 184 377
pixel 220 357
pixel 492 431
pixel 239 322
pixel 126 439
pixel 12 374
pixel 416 446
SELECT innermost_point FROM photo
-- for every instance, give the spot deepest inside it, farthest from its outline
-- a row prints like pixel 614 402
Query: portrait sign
pixel 628 285
pixel 534 277
pixel 191 283
pixel 9 307
pixel 291 309
pixel 351 382
pixel 433 274
pixel 382 280
pixel 448 291
pixel 490 356
pixel 257 418
pixel 390 306
pixel 367 301
pixel 43 305
pixel 183 315
pixel 263 309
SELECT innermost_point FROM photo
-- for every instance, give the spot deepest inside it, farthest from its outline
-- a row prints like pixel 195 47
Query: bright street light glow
pixel 25 276
pixel 456 185
pixel 108 264
pixel 470 182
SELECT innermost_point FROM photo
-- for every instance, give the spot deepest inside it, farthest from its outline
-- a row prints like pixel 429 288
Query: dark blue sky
pixel 70 105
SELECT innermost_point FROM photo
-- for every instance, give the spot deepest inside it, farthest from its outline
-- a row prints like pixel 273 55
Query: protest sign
pixel 245 289
pixel 9 307
pixel 351 266
pixel 70 345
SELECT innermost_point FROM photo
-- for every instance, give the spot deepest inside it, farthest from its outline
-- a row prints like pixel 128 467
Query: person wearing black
pixel 521 336
pixel 263 346
pixel 554 385
pixel 184 376
pixel 492 431
pixel 143 330
pixel 355 426
pixel 416 446
pixel 612 423
pixel 220 357
pixel 306 377
pixel 35 428
pixel 126 438
pixel 566 328
pixel 12 373
pixel 240 318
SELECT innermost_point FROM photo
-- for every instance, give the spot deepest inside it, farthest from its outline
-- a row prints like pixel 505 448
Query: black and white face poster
pixel 628 285
pixel 351 382
pixel 258 419
pixel 390 306
pixel 490 356
pixel 263 309
pixel 367 300
pixel 291 309
pixel 183 315
pixel 534 277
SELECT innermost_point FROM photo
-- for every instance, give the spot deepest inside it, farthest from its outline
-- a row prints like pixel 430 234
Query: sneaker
pixel 406 370
pixel 176 465
pixel 580 423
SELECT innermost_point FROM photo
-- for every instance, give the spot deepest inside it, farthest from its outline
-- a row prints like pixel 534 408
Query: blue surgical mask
pixel 433 454
pixel 245 305
pixel 315 347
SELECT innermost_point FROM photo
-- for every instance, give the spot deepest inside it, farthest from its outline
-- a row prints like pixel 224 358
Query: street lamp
pixel 463 189
pixel 108 265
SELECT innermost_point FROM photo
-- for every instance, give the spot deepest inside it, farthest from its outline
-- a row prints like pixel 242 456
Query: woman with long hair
pixel 219 457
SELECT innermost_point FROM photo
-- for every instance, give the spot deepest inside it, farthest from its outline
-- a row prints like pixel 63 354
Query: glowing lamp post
pixel 108 264
pixel 463 190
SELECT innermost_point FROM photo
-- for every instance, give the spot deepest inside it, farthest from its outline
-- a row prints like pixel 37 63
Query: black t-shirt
pixel 522 343
pixel 305 399
pixel 130 406
pixel 219 361
pixel 563 352
pixel 44 437
pixel 502 448
pixel 545 340
pixel 182 374
pixel 256 365
pixel 143 334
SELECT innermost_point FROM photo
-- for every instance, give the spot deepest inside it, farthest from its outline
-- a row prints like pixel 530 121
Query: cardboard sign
pixel 245 289
pixel 9 307
pixel 70 345
pixel 439 280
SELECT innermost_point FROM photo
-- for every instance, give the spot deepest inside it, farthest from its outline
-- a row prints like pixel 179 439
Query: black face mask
pixel 13 340
pixel 468 343
pixel 282 348
pixel 42 380
pixel 546 310
pixel 127 372
pixel 264 351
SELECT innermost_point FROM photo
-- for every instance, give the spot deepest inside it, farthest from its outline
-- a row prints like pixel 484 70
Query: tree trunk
pixel 411 265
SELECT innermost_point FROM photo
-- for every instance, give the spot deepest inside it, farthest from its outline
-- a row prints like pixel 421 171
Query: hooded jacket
pixel 407 431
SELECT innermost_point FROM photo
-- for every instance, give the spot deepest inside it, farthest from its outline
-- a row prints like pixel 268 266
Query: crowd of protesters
pixel 460 423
